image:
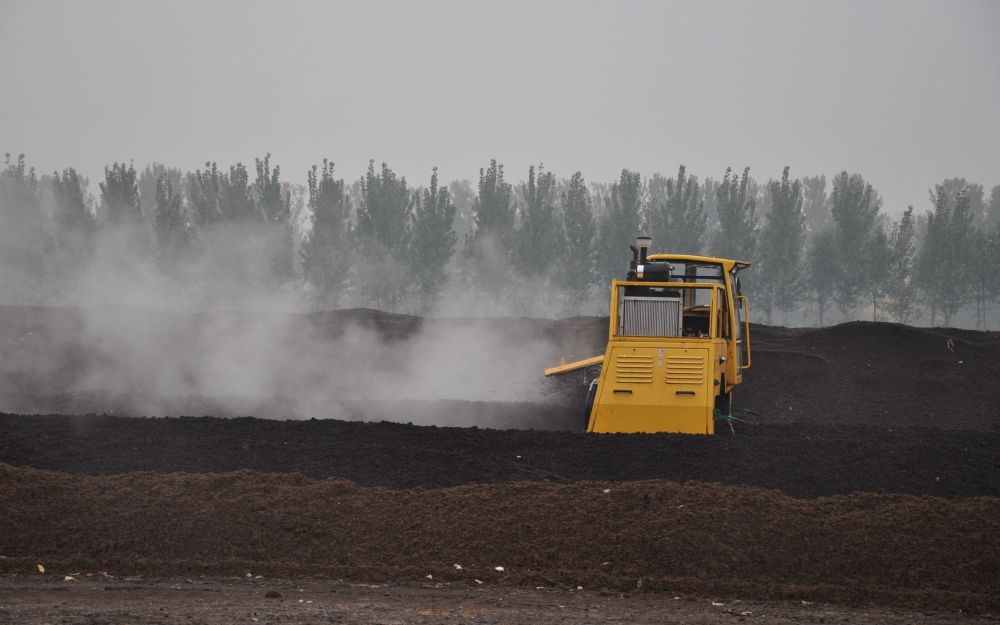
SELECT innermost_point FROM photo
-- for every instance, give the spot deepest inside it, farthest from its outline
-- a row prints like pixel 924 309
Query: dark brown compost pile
pixel 693 538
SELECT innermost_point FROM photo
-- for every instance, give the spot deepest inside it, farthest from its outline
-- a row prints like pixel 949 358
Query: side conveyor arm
pixel 566 367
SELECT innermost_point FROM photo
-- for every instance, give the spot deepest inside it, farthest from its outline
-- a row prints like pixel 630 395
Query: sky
pixel 905 92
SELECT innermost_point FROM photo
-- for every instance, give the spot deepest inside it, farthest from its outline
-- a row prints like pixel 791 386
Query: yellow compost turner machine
pixel 678 342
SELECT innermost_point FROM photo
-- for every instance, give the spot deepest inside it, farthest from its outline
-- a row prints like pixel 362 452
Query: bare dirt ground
pixel 222 601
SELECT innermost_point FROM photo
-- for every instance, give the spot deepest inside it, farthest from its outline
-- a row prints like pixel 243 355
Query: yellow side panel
pixel 655 388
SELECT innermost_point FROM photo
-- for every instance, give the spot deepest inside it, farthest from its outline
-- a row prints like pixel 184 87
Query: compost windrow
pixel 799 460
pixel 644 536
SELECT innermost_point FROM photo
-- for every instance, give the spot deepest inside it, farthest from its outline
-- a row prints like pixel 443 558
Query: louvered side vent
pixel 633 369
pixel 649 316
pixel 685 370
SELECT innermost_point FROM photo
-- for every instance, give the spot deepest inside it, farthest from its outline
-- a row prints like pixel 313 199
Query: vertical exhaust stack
pixel 643 243
pixel 640 252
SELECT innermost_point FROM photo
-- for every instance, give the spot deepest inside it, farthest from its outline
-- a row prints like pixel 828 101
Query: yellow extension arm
pixel 566 367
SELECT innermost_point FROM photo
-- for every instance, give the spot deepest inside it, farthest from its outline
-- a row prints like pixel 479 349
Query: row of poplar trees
pixel 546 245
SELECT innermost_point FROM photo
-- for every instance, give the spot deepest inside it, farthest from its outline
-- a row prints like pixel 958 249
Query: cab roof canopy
pixel 727 264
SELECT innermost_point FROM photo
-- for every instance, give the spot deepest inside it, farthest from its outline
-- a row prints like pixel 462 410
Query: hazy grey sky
pixel 904 92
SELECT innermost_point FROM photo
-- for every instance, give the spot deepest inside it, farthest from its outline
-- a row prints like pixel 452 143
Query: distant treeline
pixel 822 249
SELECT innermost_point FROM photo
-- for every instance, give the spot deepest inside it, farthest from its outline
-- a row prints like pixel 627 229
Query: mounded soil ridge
pixel 797 459
pixel 706 539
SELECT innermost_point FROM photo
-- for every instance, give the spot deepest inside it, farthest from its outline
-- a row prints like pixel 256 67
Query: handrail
pixel 746 327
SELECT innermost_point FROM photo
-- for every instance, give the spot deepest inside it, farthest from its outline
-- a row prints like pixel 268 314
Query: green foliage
pixel 22 232
pixel 992 209
pixel 815 203
pixel 710 204
pixel 678 223
pixel 275 206
pixel 384 213
pixel 538 233
pixel 901 291
pixel 737 234
pixel 656 197
pixel 779 275
pixel 463 195
pixel 433 240
pixel 71 212
pixel 620 224
pixel 169 224
pixel 326 251
pixel 984 270
pixel 489 245
pixel 236 203
pixel 951 187
pixel 120 194
pixel 577 261
pixel 854 209
pixel 383 231
pixel 205 191
pixel 945 257
pixel 18 187
pixel 73 231
pixel 493 213
pixel 149 177
pixel 399 251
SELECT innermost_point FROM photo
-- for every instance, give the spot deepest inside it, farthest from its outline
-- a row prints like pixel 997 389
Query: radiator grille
pixel 634 369
pixel 649 316
pixel 685 370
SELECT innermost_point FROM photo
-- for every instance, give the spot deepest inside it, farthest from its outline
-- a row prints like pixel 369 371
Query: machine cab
pixel 684 296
